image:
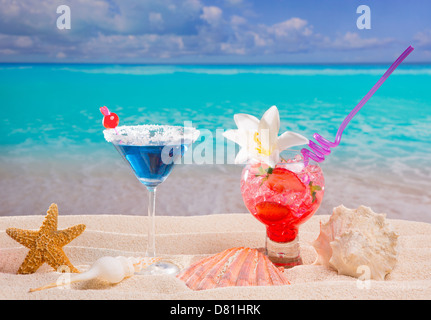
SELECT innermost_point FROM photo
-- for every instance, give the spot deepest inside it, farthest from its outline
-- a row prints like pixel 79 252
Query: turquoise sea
pixel 52 147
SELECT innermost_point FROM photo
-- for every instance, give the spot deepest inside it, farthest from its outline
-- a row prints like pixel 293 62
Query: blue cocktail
pixel 147 161
pixel 151 151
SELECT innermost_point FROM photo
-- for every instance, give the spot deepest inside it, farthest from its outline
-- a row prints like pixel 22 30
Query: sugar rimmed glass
pixel 151 151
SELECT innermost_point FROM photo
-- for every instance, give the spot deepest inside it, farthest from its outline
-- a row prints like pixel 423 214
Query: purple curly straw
pixel 324 149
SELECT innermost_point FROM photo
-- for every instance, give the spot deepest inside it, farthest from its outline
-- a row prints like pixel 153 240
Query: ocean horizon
pixel 53 150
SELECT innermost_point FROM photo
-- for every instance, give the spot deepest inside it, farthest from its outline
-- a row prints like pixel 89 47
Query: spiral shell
pixel 109 269
pixel 355 241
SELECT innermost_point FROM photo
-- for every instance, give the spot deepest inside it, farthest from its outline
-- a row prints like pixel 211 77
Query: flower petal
pixel 273 159
pixel 271 119
pixel 233 135
pixel 290 139
pixel 268 129
pixel 246 121
pixel 259 139
pixel 242 156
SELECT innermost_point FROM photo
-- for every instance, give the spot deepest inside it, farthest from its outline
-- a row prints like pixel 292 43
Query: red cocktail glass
pixel 282 198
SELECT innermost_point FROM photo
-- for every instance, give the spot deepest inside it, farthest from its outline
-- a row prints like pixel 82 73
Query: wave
pixel 219 70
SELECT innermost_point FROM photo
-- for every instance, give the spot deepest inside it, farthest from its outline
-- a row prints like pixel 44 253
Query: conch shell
pixel 233 267
pixel 357 243
pixel 110 269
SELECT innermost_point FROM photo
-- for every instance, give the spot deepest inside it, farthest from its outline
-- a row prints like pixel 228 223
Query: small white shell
pixel 110 269
pixel 357 241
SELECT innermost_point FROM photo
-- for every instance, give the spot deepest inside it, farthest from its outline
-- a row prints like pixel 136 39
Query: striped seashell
pixel 233 267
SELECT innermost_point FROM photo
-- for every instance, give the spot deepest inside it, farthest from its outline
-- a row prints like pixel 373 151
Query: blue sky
pixel 219 31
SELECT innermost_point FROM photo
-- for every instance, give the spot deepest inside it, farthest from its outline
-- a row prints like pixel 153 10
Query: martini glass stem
pixel 151 246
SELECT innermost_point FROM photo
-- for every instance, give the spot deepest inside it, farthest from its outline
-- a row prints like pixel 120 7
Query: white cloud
pixel 118 30
pixel 292 35
pixel 423 39
pixel 286 28
pixel 127 46
pixel 7 51
pixel 237 20
pixel 156 19
pixel 23 42
pixel 212 15
pixel 233 2
pixel 193 5
pixel 106 16
pixel 229 48
pixel 11 8
pixel 258 40
pixel 352 40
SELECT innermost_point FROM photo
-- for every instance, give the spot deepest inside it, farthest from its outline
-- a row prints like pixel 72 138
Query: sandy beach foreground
pixel 186 239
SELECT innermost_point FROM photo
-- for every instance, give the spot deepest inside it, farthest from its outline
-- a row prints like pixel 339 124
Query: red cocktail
pixel 282 198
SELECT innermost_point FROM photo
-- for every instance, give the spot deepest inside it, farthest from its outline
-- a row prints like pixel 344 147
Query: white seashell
pixel 110 269
pixel 357 242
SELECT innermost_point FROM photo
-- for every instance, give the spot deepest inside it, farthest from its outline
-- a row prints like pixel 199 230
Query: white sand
pixel 185 239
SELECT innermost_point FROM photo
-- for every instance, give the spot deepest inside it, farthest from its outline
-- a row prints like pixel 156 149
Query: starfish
pixel 46 244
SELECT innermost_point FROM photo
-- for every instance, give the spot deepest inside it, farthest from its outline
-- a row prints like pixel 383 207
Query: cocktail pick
pixel 324 149
pixel 110 269
pixel 110 119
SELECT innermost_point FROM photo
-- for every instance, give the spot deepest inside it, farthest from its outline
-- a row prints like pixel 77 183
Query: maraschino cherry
pixel 110 119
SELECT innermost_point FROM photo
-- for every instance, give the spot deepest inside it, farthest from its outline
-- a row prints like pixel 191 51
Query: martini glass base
pixel 283 254
pixel 160 268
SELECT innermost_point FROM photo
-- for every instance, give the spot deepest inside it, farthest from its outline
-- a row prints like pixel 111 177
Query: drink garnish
pixel 313 190
pixel 259 139
pixel 272 211
pixel 110 119
pixel 282 179
pixel 263 171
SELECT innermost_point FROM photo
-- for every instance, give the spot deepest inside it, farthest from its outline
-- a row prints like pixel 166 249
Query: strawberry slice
pixel 272 211
pixel 282 179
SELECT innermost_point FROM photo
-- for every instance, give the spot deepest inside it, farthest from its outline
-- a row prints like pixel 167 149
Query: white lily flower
pixel 259 140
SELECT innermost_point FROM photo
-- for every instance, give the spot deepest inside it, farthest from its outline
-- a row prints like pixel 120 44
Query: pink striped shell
pixel 233 267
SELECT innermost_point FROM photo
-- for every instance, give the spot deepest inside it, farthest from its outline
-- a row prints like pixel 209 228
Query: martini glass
pixel 151 151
